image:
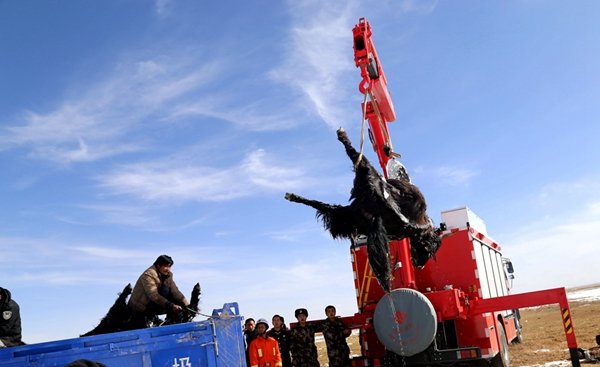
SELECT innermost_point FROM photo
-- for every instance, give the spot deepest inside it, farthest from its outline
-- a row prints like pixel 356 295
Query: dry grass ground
pixel 543 334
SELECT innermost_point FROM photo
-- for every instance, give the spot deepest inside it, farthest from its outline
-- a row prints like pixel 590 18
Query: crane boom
pixel 379 110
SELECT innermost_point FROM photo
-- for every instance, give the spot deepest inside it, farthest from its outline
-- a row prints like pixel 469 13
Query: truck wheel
pixel 501 359
pixel 519 338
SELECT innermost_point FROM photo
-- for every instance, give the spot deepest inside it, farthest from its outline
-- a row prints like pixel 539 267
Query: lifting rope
pixel 382 127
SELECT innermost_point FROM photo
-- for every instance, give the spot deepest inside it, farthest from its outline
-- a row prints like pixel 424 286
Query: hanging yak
pixel 383 211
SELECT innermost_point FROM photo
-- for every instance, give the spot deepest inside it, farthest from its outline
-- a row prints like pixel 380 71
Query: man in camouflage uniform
pixel 335 333
pixel 302 345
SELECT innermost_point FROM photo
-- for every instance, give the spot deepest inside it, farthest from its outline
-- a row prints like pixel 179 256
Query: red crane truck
pixel 458 307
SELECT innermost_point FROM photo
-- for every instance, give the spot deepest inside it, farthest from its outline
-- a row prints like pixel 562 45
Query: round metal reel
pixel 405 321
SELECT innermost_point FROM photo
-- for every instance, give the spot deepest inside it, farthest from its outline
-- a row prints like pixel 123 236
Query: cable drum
pixel 405 322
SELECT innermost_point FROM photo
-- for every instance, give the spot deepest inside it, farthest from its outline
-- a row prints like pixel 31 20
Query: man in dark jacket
pixel 155 293
pixel 10 322
pixel 281 333
pixel 249 336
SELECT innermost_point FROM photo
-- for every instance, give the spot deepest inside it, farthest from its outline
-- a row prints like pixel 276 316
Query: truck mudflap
pixel 215 342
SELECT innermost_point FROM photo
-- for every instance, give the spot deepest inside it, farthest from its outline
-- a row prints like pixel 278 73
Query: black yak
pixel 117 317
pixel 188 313
pixel 382 210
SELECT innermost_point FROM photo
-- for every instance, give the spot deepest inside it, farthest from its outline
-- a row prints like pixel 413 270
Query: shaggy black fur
pixel 382 210
pixel 117 316
pixel 188 313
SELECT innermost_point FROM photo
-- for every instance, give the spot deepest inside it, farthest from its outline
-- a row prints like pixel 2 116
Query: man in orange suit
pixel 264 350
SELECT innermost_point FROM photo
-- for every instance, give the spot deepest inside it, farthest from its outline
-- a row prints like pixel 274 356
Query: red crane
pixel 379 109
pixel 471 312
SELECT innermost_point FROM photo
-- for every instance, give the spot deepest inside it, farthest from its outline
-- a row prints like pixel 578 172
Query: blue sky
pixel 134 128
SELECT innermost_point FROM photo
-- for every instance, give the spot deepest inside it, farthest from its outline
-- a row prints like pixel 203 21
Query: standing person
pixel 155 293
pixel 10 322
pixel 281 333
pixel 335 333
pixel 249 335
pixel 302 343
pixel 264 350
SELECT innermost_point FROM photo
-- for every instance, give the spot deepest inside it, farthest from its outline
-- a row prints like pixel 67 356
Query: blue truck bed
pixel 216 342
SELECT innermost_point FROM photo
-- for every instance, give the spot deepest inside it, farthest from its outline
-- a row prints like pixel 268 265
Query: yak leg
pixel 319 205
pixel 339 220
pixel 188 313
pixel 367 177
pixel 368 183
pixel 195 298
pixel 191 312
pixel 350 151
pixel 378 254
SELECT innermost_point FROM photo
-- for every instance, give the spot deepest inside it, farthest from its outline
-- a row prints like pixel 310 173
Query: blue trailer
pixel 215 342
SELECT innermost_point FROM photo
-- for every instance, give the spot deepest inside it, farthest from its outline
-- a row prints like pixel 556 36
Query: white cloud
pixel 320 276
pixel 562 238
pixel 148 218
pixel 108 253
pixel 567 252
pixel 420 6
pixel 176 182
pixel 105 118
pixel 268 175
pixel 64 135
pixel 95 124
pixel 447 175
pixel 162 7
pixel 569 191
pixel 119 214
pixel 299 232
pixel 318 58
pixel 250 116
pixel 65 261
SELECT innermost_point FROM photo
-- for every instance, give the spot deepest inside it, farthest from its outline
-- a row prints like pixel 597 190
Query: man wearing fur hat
pixel 10 320
pixel 155 293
